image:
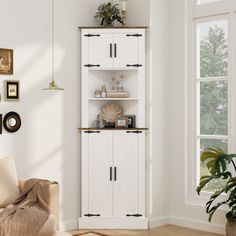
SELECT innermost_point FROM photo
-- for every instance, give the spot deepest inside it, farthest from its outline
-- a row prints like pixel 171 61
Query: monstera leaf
pixel 231 190
pixel 217 162
pixel 207 178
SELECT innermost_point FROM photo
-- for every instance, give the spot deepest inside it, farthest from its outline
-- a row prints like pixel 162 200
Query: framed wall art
pixel 6 61
pixel 12 90
pixel 12 122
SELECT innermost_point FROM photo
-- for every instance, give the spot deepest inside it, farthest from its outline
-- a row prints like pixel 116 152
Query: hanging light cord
pixel 52 85
pixel 53 37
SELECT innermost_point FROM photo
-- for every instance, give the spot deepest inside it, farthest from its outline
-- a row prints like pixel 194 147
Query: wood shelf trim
pixel 113 69
pixel 115 27
pixel 113 99
pixel 84 129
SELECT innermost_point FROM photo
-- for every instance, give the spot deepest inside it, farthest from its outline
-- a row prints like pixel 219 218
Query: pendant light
pixel 52 85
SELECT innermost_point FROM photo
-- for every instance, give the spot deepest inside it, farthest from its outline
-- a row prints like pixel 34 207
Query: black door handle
pixel 110 173
pixel 115 50
pixel 110 50
pixel 115 174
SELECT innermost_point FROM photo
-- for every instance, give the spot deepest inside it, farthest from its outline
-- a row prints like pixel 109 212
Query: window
pixel 211 86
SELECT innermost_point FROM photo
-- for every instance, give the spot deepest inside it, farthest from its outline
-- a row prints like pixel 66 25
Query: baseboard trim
pixel 158 222
pixel 69 225
pixel 113 223
pixel 195 224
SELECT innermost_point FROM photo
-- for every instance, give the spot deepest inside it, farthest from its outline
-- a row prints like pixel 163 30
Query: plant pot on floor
pixel 231 228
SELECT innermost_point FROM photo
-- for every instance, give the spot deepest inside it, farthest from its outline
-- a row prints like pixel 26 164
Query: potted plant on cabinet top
pixel 109 13
pixel 220 166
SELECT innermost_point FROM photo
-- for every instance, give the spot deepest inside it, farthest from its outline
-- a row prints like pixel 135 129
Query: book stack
pixel 117 94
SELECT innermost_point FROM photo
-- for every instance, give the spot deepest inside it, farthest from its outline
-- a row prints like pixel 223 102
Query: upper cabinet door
pixel 99 180
pixel 100 50
pixel 125 174
pixel 125 50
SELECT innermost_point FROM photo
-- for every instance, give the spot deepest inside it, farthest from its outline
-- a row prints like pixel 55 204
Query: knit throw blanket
pixel 27 215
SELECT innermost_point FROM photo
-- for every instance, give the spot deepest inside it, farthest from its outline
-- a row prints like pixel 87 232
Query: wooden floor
pixel 169 230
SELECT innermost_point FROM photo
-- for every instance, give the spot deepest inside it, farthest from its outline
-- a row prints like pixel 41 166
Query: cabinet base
pixel 112 223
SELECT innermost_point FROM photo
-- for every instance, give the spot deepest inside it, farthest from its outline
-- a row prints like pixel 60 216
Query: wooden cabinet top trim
pixel 120 27
pixel 82 129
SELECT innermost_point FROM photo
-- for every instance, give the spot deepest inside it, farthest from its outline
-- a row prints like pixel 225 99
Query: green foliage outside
pixel 214 53
pixel 214 94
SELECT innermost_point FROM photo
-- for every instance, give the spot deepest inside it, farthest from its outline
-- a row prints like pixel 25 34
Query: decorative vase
pixel 107 22
pixel 231 228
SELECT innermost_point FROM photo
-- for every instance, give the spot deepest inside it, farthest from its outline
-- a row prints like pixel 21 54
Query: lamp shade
pixel 123 4
pixel 53 86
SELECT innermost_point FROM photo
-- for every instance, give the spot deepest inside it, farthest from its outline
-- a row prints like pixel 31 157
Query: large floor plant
pixel 221 166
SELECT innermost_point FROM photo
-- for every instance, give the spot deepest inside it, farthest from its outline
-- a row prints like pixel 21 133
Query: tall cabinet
pixel 113 159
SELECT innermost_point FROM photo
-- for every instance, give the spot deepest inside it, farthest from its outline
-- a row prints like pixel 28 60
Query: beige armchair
pixel 52 224
pixel 10 189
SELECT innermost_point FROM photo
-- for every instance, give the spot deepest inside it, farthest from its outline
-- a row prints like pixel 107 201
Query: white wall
pixel 47 145
pixel 157 109
pixel 181 212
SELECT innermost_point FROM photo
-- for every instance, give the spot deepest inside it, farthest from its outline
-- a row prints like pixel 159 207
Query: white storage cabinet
pixel 113 161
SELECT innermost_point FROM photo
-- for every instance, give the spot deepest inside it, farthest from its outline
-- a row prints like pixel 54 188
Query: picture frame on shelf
pixel 131 121
pixel 121 122
pixel 6 61
pixel 12 90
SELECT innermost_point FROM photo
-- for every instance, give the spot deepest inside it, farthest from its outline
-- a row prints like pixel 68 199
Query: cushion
pixel 9 187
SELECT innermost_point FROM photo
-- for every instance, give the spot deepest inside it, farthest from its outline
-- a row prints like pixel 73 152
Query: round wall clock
pixel 12 122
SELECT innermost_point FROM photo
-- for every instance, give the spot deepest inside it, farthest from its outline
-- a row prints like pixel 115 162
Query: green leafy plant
pixel 217 162
pixel 109 13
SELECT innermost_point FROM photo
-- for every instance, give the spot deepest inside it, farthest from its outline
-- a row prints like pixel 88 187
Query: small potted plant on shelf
pixel 220 166
pixel 109 13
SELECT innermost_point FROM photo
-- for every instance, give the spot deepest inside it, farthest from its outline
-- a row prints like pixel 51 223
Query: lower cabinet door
pixel 126 174
pixel 100 154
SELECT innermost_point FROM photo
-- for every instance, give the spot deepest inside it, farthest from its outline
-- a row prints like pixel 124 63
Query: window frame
pixel 199 14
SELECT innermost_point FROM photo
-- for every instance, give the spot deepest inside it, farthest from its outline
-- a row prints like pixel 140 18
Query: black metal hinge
pixel 92 132
pixel 91 65
pixel 134 132
pixel 134 35
pixel 92 35
pixel 134 65
pixel 92 215
pixel 134 215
